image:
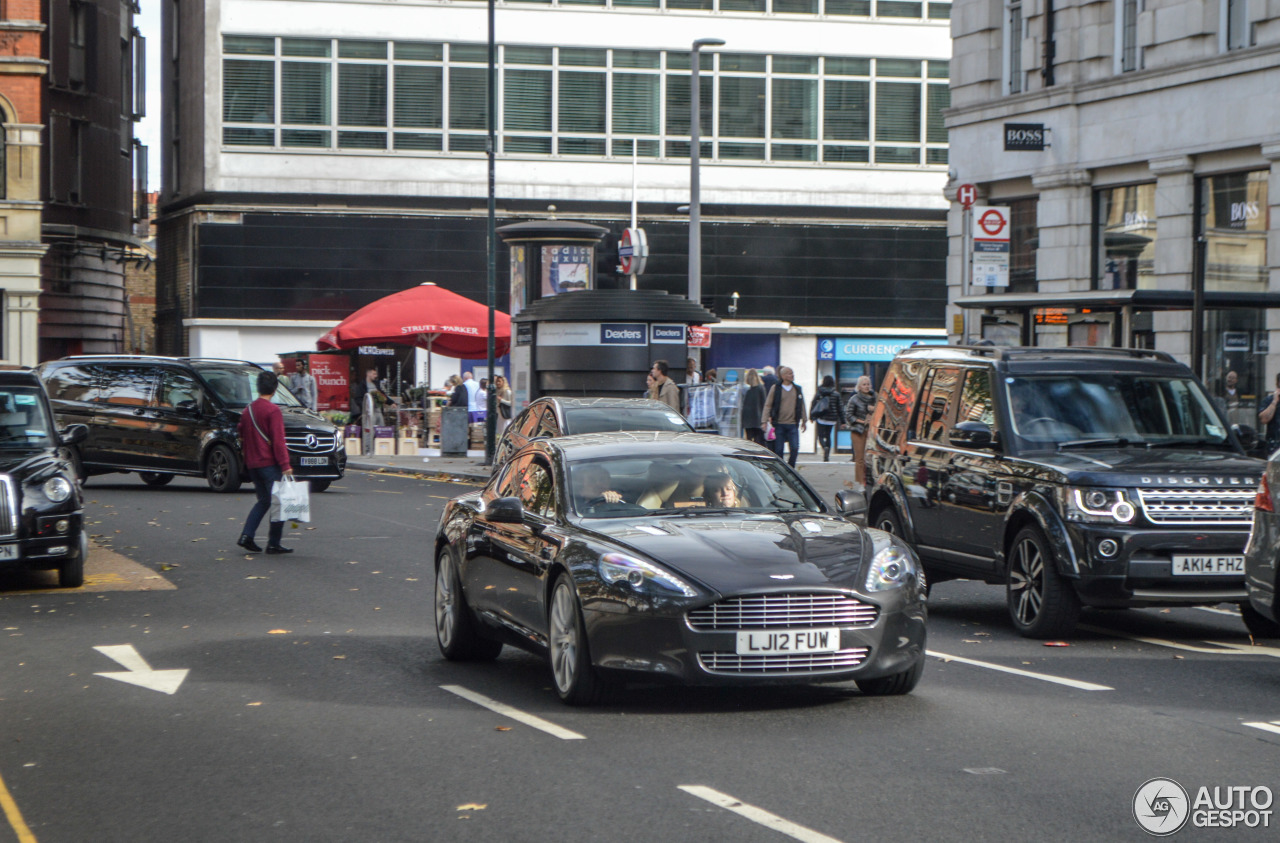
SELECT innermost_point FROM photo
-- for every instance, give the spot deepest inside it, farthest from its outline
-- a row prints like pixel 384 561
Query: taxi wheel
pixel 71 572
pixel 1042 604
pixel 1260 626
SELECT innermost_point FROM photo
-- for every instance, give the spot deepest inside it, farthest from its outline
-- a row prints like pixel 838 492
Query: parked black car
pixel 1074 477
pixel 614 555
pixel 1262 559
pixel 567 416
pixel 166 416
pixel 41 509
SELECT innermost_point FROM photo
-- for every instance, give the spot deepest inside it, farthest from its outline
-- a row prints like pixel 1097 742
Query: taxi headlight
pixel 57 489
pixel 892 567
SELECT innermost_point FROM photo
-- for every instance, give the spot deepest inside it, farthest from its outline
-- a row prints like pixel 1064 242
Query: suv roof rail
pixel 164 357
pixel 216 360
pixel 1008 352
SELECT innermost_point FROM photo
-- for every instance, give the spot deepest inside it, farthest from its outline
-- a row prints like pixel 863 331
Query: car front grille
pixel 782 663
pixel 310 443
pixel 8 508
pixel 785 611
pixel 1191 507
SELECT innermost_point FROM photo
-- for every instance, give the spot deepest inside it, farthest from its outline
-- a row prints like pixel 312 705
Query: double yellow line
pixel 14 816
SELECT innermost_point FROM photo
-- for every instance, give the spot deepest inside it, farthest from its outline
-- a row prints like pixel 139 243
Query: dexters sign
pixel 615 333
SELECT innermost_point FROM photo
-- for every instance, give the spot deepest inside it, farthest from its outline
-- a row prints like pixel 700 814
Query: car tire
pixel 455 628
pixel 77 465
pixel 889 686
pixel 153 478
pixel 71 572
pixel 1042 604
pixel 319 486
pixel 576 680
pixel 221 470
pixel 887 520
pixel 1260 626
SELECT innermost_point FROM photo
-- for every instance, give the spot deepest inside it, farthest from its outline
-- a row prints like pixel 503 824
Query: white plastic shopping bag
pixel 290 500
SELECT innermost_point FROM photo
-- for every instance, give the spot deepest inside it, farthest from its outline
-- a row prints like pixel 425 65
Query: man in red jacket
pixel 265 455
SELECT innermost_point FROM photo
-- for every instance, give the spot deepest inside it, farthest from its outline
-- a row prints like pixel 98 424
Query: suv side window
pixel 893 407
pixel 179 390
pixel 130 385
pixel 975 398
pixel 73 383
pixel 933 419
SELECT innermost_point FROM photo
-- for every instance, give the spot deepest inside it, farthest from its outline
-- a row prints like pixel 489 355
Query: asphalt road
pixel 316 708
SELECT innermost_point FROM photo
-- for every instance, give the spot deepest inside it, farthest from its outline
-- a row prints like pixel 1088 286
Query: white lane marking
pixel 1273 726
pixel 1230 612
pixel 757 815
pixel 515 714
pixel 1219 648
pixel 1043 677
pixel 138 672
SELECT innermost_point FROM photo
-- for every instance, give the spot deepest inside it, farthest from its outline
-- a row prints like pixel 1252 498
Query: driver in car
pixel 719 491
pixel 592 484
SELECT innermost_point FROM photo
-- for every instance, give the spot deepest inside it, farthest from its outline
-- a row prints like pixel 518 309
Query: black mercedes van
pixel 1072 476
pixel 166 416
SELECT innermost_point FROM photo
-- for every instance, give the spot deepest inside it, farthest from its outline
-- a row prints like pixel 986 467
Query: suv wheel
pixel 319 485
pixel 221 470
pixel 887 520
pixel 1260 626
pixel 1041 603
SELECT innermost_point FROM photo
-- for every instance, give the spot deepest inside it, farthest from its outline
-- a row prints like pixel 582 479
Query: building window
pixel 1124 232
pixel 1235 24
pixel 77 43
pixel 1233 222
pixel 592 102
pixel 1013 46
pixel 1024 239
pixel 1127 35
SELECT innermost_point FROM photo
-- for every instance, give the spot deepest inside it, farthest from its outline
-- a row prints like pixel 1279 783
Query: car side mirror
pixel 852 505
pixel 1247 435
pixel 73 434
pixel 971 434
pixel 505 511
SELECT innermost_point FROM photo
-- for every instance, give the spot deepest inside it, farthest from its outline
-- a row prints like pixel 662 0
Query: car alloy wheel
pixel 576 681
pixel 446 604
pixel 1041 603
pixel 455 631
pixel 221 470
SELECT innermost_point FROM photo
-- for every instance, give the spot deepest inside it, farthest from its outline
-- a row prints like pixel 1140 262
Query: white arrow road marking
pixel 1273 726
pixel 757 815
pixel 515 714
pixel 138 672
pixel 1043 677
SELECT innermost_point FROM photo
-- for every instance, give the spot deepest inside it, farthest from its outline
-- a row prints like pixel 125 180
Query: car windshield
pixel 237 386
pixel 23 422
pixel 609 419
pixel 626 486
pixel 1110 409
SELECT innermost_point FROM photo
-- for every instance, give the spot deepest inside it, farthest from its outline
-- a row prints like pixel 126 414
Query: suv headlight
pixel 640 575
pixel 57 489
pixel 1099 506
pixel 892 567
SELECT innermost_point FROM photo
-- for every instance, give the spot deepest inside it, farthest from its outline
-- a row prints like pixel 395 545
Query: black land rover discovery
pixel 1075 477
pixel 165 416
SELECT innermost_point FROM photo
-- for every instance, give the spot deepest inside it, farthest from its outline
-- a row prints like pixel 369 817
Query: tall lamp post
pixel 695 183
pixel 491 287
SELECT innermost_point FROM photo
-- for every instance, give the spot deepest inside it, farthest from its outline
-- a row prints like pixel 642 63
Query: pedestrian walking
pixel 473 402
pixel 368 399
pixel 784 408
pixel 665 389
pixel 650 382
pixel 459 397
pixel 267 459
pixel 767 378
pixel 691 375
pixel 1270 419
pixel 303 385
pixel 753 409
pixel 857 413
pixel 503 394
pixel 826 414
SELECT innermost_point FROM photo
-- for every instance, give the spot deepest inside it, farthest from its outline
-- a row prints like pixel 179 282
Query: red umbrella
pixel 427 316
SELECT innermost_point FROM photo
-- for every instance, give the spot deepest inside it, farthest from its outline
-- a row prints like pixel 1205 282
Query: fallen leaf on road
pixel 339 657
pixel 472 807
pixel 1056 644
pixel 253 703
pixel 257 578
pixel 502 728
pixel 278 632
pixel 971 641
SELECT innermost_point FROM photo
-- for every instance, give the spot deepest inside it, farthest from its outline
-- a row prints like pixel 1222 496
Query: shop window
pixel 1233 222
pixel 1023 239
pixel 1124 230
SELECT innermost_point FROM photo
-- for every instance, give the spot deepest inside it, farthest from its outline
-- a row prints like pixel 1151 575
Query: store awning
pixel 427 316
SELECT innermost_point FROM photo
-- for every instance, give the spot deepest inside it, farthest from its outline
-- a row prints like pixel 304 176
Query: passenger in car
pixel 720 491
pixel 591 483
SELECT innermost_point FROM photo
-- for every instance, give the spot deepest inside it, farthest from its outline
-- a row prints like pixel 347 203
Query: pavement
pixel 825 477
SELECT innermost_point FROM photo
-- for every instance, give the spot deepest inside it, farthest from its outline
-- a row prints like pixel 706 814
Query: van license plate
pixel 8 551
pixel 772 642
pixel 1207 566
pixel 315 460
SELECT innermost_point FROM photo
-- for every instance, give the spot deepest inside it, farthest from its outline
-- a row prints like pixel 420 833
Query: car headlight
pixel 57 489
pixel 1099 506
pixel 892 567
pixel 640 575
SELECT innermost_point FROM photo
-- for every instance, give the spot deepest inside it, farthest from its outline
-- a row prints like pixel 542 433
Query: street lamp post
pixel 695 184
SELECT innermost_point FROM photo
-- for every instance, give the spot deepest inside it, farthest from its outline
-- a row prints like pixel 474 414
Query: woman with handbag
pixel 503 393
pixel 857 413
pixel 753 408
pixel 826 414
pixel 262 443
